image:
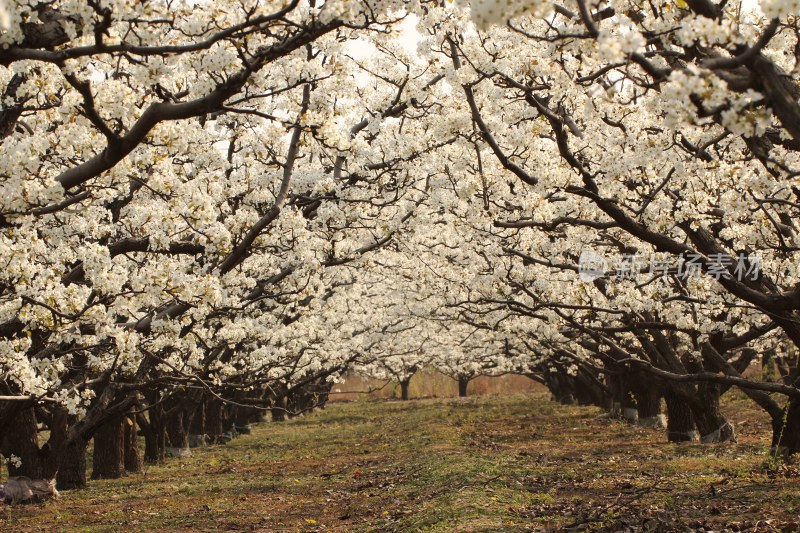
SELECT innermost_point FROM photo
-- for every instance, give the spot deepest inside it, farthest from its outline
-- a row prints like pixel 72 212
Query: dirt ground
pixel 492 463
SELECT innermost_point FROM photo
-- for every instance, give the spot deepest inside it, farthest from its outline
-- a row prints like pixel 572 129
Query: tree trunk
pixel 769 371
pixel 154 441
pixel 630 408
pixel 72 471
pixel 242 416
pixel 214 420
pixel 554 386
pixel 588 390
pixel 155 446
pixel 227 419
pixel 713 427
pixel 133 462
pixel 711 424
pixel 198 424
pixel 620 397
pixel 680 420
pixel 279 410
pixel 648 405
pixel 197 427
pixel 109 450
pixel 463 381
pixel 566 389
pixel 23 443
pixel 8 411
pixel 404 383
pixel 177 434
pixel 786 431
pixel 176 431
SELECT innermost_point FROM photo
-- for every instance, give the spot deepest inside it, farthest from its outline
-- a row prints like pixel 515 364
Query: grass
pixel 495 463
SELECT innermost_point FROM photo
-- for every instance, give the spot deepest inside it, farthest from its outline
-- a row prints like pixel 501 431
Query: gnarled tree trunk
pixel 154 437
pixel 23 443
pixel 648 405
pixel 680 420
pixel 108 460
pixel 72 471
pixel 176 433
pixel 711 424
pixel 786 430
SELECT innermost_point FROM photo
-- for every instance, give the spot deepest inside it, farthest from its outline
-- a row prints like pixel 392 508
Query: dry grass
pixel 493 463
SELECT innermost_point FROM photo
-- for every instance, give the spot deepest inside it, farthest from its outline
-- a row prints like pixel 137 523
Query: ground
pixel 494 463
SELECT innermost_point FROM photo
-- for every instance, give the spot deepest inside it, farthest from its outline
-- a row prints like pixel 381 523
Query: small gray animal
pixel 21 489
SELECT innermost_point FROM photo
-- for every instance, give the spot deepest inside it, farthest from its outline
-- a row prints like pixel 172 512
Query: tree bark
pixel 404 383
pixel 109 450
pixel 198 424
pixel 680 420
pixel 176 431
pixel 23 442
pixel 589 390
pixel 630 409
pixel 618 385
pixel 279 410
pixel 566 395
pixel 197 427
pixel 711 424
pixel 463 381
pixel 154 440
pixel 72 471
pixel 133 462
pixel 786 430
pixel 648 405
pixel 242 415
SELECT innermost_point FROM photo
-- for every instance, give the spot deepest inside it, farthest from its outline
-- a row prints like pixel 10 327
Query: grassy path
pixel 516 463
